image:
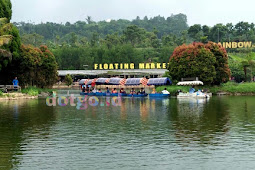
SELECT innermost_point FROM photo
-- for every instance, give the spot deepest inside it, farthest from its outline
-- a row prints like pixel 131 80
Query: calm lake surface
pixel 140 134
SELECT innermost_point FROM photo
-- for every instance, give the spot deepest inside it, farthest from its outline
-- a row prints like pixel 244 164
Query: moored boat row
pixel 157 95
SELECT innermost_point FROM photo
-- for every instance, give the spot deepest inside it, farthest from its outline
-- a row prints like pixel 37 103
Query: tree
pixel 194 30
pixel 68 80
pixel 208 61
pixel 248 62
pixel 133 34
pixel 5 40
pixel 193 60
pixel 47 73
pixel 32 39
pixel 6 9
pixel 37 67
pixel 221 66
pixel 236 70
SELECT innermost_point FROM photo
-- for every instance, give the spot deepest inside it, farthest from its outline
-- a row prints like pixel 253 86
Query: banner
pixel 125 66
pixel 237 44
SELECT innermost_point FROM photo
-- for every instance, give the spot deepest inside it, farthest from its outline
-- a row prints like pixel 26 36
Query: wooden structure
pixel 9 88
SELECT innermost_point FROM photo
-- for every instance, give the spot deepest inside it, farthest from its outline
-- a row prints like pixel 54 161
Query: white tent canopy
pixel 190 83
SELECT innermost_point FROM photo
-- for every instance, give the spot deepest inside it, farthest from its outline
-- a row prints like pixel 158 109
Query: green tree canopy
pixel 6 9
pixel 208 62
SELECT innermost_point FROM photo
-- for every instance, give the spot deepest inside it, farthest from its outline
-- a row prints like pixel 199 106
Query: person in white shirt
pixel 165 91
pixel 94 90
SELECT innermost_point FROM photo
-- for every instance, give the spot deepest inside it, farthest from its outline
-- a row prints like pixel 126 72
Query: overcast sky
pixel 203 12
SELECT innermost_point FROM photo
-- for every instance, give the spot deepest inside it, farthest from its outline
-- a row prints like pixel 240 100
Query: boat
pixel 193 95
pixel 113 94
pixel 137 95
pixel 103 94
pixel 159 95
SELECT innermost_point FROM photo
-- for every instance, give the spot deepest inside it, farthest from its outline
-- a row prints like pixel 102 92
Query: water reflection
pixel 17 117
pixel 164 133
pixel 199 120
pixel 191 106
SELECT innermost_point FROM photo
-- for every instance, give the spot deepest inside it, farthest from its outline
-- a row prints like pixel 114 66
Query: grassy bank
pixel 33 91
pixel 230 88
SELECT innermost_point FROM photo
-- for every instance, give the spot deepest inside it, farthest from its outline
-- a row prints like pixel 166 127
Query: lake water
pixel 136 134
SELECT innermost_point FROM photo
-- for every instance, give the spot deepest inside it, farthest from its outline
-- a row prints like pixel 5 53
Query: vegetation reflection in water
pixel 151 133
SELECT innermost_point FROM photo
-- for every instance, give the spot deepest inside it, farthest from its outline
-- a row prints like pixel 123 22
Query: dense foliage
pixel 81 44
pixel 140 40
pixel 33 66
pixel 122 41
pixel 208 62
pixel 173 24
pixel 6 9
pixel 37 67
pixel 9 42
pixel 221 64
pixel 68 80
pixel 242 31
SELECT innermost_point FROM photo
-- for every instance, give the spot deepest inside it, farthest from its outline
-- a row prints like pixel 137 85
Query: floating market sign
pixel 117 66
pixel 237 44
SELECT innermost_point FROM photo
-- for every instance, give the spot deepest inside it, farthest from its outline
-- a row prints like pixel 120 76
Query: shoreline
pixel 16 96
pixel 22 96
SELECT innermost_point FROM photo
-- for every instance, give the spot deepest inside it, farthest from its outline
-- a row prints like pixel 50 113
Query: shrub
pixel 208 62
pixel 68 80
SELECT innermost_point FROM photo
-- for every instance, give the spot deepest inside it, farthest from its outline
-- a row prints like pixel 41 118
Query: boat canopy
pixel 190 83
pixel 91 81
pixel 83 81
pixel 159 81
pixel 136 81
pixel 102 81
pixel 117 81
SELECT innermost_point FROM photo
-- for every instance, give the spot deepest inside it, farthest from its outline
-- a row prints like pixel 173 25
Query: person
pixel 94 90
pixel 54 94
pixel 165 91
pixel 107 90
pixel 122 90
pixel 132 91
pixel 153 91
pixel 114 90
pixel 89 86
pixel 99 91
pixel 142 91
pixel 15 83
pixel 192 90
pixel 83 88
pixel 93 84
pixel 87 89
pixel 199 92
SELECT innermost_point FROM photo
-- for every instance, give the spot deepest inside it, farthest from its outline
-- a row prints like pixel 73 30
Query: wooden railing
pixel 9 88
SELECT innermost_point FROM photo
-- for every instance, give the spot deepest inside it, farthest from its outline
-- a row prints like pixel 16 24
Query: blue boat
pixel 103 94
pixel 88 94
pixel 118 94
pixel 159 95
pixel 137 95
